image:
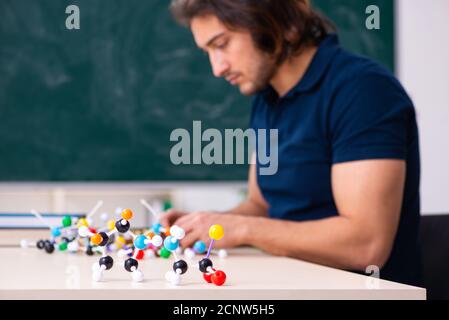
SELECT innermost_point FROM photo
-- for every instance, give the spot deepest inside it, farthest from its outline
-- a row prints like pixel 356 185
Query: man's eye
pixel 222 45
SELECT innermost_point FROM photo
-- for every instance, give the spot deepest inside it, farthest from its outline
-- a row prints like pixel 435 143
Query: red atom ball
pixel 207 276
pixel 140 255
pixel 218 278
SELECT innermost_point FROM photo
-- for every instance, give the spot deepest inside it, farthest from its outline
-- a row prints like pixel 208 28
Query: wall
pixel 423 66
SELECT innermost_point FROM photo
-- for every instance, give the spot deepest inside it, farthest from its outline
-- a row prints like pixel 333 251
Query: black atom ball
pixel 49 247
pixel 40 244
pixel 105 239
pixel 131 263
pixel 107 261
pixel 120 227
pixel 181 264
pixel 89 251
pixel 204 264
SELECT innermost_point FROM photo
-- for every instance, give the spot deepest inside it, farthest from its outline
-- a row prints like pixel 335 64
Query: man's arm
pixel 368 196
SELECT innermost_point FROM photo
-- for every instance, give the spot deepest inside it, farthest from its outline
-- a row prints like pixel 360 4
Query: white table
pixel 33 274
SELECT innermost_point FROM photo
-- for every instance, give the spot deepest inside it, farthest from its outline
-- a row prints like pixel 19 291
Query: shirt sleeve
pixel 370 119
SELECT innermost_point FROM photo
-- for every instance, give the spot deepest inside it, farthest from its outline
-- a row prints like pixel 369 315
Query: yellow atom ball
pixel 216 232
pixel 127 214
pixel 111 225
pixel 96 239
pixel 121 240
pixel 82 222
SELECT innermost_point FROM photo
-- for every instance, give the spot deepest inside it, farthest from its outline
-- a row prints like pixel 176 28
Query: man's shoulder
pixel 349 68
pixel 353 76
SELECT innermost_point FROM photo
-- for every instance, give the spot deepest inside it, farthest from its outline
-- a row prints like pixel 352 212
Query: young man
pixel 346 193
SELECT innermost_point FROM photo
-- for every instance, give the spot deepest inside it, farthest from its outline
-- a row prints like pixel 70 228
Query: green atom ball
pixel 66 221
pixel 164 253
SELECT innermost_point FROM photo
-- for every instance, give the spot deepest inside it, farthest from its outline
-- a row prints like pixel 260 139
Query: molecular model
pixel 157 229
pixel 64 237
pixel 61 236
pixel 200 248
pixel 106 262
pixel 171 244
pixel 85 223
pixel 210 274
pixel 118 242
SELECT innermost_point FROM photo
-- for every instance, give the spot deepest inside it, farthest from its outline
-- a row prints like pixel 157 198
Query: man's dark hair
pixel 278 27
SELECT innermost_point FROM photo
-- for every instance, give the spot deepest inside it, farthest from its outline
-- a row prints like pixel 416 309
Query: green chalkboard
pixel 350 16
pixel 99 103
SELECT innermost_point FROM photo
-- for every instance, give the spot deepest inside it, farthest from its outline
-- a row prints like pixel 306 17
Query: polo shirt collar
pixel 316 70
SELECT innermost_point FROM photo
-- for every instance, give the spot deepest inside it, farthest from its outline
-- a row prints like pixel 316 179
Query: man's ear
pixel 292 35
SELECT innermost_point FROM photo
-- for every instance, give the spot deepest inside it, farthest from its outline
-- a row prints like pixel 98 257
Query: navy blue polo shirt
pixel 345 108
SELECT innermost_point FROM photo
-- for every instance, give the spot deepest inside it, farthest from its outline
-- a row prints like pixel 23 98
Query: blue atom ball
pixel 156 228
pixel 171 243
pixel 139 242
pixel 199 247
pixel 55 232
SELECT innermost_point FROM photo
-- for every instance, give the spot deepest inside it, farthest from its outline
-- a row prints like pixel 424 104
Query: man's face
pixel 233 55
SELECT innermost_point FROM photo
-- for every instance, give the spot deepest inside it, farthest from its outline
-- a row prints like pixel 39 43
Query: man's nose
pixel 219 65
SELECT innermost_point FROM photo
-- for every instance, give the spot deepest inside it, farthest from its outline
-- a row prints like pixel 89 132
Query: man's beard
pixel 264 70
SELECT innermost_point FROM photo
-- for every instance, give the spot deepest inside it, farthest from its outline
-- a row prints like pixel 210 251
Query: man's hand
pixel 235 222
pixel 197 224
pixel 169 218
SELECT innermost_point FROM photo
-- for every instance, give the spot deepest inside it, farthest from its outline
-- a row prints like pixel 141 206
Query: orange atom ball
pixel 96 239
pixel 127 214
